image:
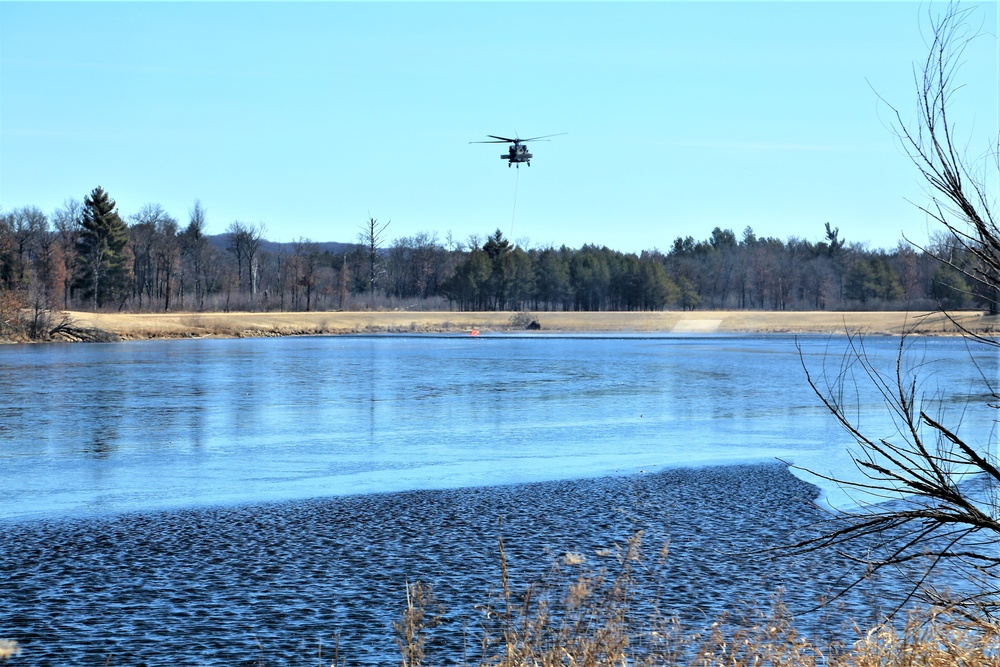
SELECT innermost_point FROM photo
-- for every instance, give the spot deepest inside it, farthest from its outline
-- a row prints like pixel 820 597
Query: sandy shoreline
pixel 141 326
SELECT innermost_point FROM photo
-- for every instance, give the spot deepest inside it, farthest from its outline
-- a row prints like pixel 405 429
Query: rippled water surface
pixel 189 502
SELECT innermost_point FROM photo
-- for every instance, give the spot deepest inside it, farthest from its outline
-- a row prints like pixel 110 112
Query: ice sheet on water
pixel 195 423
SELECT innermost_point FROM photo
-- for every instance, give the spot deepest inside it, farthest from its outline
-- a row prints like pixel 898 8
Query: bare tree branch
pixel 928 499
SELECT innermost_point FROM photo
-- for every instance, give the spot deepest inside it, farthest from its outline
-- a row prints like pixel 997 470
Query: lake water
pixel 204 501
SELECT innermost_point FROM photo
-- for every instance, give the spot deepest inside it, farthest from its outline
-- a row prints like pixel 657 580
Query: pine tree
pixel 103 275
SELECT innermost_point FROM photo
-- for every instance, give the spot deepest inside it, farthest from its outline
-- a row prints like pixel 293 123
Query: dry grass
pixel 234 325
pixel 585 617
pixel 8 650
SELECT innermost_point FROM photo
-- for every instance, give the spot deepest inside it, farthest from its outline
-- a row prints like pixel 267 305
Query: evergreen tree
pixel 552 288
pixel 498 249
pixel 688 298
pixel 103 272
pixel 950 288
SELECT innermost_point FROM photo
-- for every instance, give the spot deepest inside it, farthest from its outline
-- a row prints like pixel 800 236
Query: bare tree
pixel 960 197
pixel 167 254
pixel 306 275
pixel 66 221
pixel 936 493
pixel 929 498
pixel 142 239
pixel 28 226
pixel 244 242
pixel 49 271
pixel 372 237
pixel 237 234
pixel 343 283
pixel 194 251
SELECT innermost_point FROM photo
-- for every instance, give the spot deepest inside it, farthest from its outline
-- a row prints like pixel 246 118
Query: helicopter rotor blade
pixel 499 140
pixel 505 140
pixel 544 136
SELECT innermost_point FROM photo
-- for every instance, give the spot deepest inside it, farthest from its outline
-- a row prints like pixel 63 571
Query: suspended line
pixel 510 236
pixel 517 178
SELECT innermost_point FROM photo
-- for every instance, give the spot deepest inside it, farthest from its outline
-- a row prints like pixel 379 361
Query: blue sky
pixel 308 117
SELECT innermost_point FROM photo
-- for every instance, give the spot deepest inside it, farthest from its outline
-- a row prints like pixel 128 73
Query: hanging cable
pixel 510 236
pixel 517 178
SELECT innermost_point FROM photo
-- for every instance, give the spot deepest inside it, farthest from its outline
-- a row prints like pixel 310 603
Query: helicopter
pixel 518 151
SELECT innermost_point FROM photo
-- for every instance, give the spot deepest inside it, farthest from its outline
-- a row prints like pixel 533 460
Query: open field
pixel 132 326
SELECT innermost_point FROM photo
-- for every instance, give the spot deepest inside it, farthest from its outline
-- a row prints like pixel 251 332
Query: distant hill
pixel 221 241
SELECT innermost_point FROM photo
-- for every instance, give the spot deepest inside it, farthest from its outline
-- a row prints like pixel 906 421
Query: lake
pixel 212 501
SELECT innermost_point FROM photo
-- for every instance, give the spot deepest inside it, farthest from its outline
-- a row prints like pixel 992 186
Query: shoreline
pixel 149 326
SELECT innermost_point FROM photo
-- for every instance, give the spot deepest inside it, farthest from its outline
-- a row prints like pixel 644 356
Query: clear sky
pixel 680 116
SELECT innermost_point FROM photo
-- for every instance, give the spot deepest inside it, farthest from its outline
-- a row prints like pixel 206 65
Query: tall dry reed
pixel 600 617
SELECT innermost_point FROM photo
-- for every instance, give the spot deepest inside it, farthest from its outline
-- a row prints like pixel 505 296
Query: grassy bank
pixel 137 326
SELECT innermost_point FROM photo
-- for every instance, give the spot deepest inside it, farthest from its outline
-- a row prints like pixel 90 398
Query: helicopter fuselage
pixel 517 153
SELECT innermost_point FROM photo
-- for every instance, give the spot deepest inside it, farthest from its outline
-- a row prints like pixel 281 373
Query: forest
pixel 86 255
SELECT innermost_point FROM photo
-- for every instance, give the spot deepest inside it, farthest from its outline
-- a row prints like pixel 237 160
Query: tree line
pixel 85 255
